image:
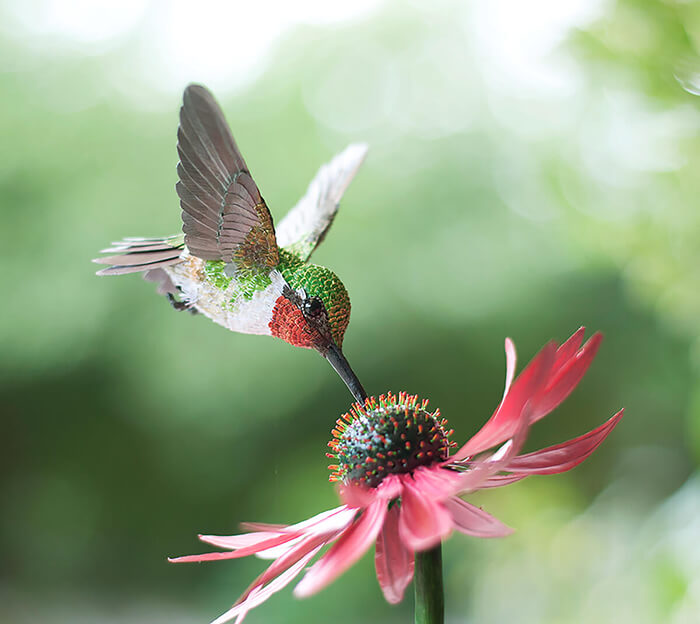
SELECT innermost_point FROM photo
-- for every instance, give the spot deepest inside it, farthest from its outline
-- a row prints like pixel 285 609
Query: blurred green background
pixel 534 166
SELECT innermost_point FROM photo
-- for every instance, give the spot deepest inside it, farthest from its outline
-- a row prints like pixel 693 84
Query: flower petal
pixel 423 522
pixel 471 520
pixel 236 554
pixel 357 496
pixel 563 457
pixel 501 480
pixel 567 372
pixel 293 556
pixel 361 496
pixel 309 544
pixel 322 524
pixel 392 560
pixel 347 550
pixel 278 551
pixel 260 594
pixel 268 544
pixel 569 348
pixel 483 469
pixel 504 422
pixel 235 542
pixel 390 487
pixel 511 361
pixel 437 482
pixel 318 519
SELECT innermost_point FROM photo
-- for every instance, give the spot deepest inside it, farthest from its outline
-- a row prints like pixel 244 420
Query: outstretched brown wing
pixel 224 217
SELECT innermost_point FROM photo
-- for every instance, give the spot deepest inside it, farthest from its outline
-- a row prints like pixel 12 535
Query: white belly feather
pixel 227 307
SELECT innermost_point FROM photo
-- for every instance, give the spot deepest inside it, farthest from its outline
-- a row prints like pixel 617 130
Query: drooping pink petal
pixel 353 543
pixel 484 468
pixel 234 542
pixel 566 374
pixel 423 521
pixel 340 518
pixel 511 361
pixel 321 524
pixel 360 496
pixel 392 560
pixel 260 594
pixel 293 556
pixel 307 545
pixel 236 554
pixel 357 496
pixel 318 519
pixel 278 551
pixel 390 488
pixel 502 425
pixel 325 528
pixel 563 457
pixel 471 520
pixel 501 480
pixel 437 482
pixel 236 611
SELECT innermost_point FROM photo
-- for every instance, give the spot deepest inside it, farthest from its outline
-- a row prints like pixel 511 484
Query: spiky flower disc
pixel 391 435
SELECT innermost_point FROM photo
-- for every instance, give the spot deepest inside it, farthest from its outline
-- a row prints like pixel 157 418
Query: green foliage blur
pixel 521 182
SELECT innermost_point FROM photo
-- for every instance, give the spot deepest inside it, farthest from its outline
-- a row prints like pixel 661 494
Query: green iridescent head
pixel 314 313
pixel 322 284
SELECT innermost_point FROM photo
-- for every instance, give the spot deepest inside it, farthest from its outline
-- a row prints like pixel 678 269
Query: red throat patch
pixel 289 324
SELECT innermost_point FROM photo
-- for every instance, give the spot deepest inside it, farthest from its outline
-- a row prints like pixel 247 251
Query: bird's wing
pixel 224 217
pixel 305 225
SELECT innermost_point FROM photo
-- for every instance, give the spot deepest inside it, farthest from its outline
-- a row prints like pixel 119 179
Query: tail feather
pixel 140 240
pixel 140 258
pixel 134 255
pixel 119 247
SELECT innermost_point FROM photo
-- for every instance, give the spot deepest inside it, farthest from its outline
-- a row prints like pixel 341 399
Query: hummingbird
pixel 230 263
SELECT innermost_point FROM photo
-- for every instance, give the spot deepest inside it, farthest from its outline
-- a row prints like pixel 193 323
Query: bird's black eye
pixel 313 307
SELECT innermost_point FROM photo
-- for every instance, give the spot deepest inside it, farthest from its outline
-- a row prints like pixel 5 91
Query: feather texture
pixel 163 281
pixel 306 224
pixel 135 255
pixel 224 216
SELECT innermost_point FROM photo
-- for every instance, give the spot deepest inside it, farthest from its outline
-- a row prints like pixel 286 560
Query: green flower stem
pixel 430 600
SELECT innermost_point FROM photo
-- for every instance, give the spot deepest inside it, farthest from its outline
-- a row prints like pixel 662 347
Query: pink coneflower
pixel 401 489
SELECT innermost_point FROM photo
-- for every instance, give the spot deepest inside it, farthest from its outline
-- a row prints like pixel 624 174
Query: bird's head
pixel 313 312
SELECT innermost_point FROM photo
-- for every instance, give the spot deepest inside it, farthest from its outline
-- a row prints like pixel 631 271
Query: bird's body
pixel 253 303
pixel 231 264
pixel 239 305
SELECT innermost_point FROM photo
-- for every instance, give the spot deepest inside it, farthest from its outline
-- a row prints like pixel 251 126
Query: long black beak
pixel 337 360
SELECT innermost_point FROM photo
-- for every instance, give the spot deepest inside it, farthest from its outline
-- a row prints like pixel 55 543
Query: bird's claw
pixel 181 305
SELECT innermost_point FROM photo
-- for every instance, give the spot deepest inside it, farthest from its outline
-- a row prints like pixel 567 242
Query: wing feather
pixel 305 225
pixel 224 216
